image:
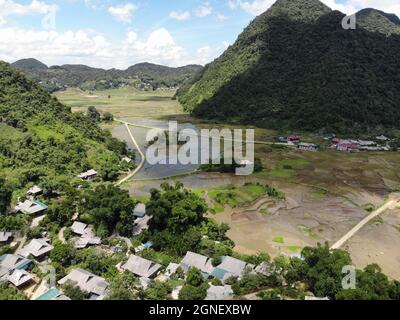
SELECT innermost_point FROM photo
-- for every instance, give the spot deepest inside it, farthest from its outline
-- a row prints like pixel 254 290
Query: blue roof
pixel 219 273
pixel 24 264
pixel 41 204
pixel 148 244
pixel 49 294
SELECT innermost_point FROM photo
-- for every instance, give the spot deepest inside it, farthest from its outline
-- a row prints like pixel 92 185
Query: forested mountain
pixel 30 64
pixel 142 76
pixel 41 140
pixel 296 67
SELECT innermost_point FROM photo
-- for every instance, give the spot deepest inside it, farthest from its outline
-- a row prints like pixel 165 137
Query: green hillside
pixel 42 141
pixel 142 76
pixel 296 67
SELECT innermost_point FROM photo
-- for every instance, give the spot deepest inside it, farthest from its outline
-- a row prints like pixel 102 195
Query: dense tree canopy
pixel 109 209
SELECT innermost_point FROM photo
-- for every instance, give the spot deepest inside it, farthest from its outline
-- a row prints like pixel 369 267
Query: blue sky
pixel 115 33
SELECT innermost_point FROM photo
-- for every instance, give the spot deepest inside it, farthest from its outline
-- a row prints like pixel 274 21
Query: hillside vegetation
pixel 295 67
pixel 142 76
pixel 42 141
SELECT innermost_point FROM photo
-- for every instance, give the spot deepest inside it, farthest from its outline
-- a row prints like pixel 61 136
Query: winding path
pixel 388 205
pixel 142 156
pixel 233 140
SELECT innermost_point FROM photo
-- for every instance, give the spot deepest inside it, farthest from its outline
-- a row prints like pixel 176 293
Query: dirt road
pixel 391 204
pixel 142 156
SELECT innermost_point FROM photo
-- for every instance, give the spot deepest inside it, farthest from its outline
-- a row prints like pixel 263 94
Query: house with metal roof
pixel 34 191
pixel 10 263
pixel 171 269
pixel 141 267
pixel 88 282
pixel 5 237
pixel 264 268
pixel 140 210
pixel 20 278
pixel 38 248
pixel 31 207
pixel 87 238
pixel 141 224
pixel 195 260
pixel 219 293
pixel 230 267
pixel 13 262
pixel 88 175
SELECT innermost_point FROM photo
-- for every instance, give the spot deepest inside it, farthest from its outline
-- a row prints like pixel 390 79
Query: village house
pixel 347 146
pixel 141 267
pixel 195 260
pixel 87 236
pixel 293 138
pixel 171 269
pixel 11 262
pixel 21 279
pixel 94 285
pixel 139 211
pixel 31 207
pixel 382 138
pixel 88 175
pixel 127 160
pixel 230 267
pixel 143 247
pixel 34 191
pixel 219 293
pixel 5 237
pixel 141 224
pixel 38 248
pixel 264 268
pixel 308 147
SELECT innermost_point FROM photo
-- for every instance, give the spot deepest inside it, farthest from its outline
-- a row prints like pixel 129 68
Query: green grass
pixel 265 212
pixel 294 249
pixel 124 102
pixel 278 239
pixel 308 231
pixel 234 196
pixel 320 194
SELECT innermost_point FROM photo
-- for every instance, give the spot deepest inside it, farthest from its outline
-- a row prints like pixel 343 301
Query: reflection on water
pixel 150 171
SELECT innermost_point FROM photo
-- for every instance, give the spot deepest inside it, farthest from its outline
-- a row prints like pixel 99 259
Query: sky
pixel 118 34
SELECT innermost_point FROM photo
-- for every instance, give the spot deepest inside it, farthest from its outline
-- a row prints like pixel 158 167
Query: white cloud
pixel 206 54
pixel 181 16
pixel 10 8
pixel 204 10
pixel 123 13
pixel 93 49
pixel 221 17
pixel 352 6
pixel 254 8
pixel 257 7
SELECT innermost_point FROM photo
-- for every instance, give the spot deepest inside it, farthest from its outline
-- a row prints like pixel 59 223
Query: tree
pixel 7 293
pixel 108 117
pixel 72 291
pixel 189 292
pixel 158 291
pixel 5 195
pixel 63 253
pixel 194 277
pixel 93 114
pixel 324 269
pixel 109 207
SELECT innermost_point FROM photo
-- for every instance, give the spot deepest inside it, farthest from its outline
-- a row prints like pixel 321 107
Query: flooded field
pixel 327 192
